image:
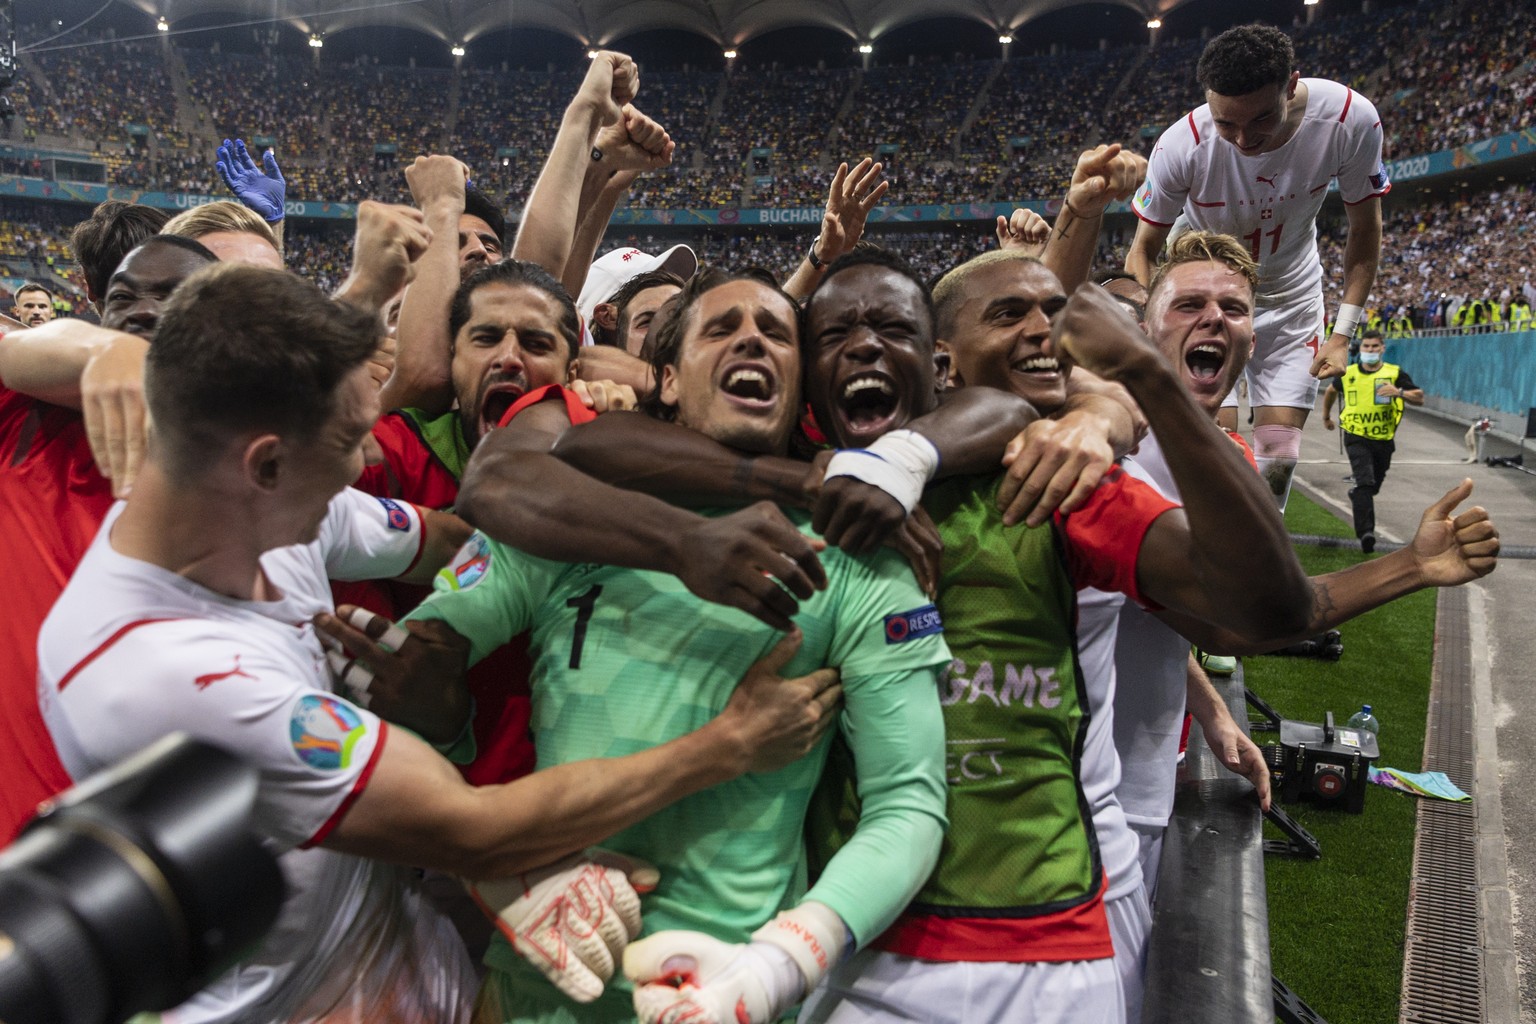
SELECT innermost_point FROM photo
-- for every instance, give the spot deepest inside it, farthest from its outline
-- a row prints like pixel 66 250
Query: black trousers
pixel 1369 460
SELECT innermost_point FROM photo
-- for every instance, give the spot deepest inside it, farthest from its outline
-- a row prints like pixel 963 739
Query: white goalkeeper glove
pixel 684 977
pixel 571 919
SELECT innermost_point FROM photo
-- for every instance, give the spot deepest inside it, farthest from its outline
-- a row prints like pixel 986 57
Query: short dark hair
pixel 949 291
pixel 242 348
pixel 515 272
pixel 478 204
pixel 1373 332
pixel 113 230
pixel 32 286
pixel 1244 59
pixel 191 245
pixel 668 348
pixel 621 299
pixel 872 256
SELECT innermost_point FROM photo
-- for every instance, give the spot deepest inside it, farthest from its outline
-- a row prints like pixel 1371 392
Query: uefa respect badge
pixel 913 625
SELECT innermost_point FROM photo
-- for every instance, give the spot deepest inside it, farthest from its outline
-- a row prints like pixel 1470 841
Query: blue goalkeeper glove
pixel 262 191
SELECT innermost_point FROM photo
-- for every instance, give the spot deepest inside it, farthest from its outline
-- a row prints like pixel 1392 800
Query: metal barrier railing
pixel 1208 955
pixel 1507 327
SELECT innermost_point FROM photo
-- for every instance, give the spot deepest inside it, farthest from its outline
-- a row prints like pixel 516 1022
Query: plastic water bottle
pixel 1364 721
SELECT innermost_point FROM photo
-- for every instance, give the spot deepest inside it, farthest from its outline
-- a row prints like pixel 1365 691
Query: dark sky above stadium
pixel 1080 26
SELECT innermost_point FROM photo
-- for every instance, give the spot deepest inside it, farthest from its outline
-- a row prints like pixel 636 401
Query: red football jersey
pixel 52 501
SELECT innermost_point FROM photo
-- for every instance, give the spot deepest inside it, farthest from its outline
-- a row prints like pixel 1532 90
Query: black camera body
pixel 134 889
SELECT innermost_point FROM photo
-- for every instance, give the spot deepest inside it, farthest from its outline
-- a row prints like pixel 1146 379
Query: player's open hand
pixel 260 189
pixel 1053 464
pixel 777 720
pixel 1240 755
pixel 1452 550
pixel 112 403
pixel 854 192
pixel 412 675
pixel 753 559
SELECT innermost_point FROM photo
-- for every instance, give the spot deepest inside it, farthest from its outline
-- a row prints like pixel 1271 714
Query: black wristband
pixel 816 261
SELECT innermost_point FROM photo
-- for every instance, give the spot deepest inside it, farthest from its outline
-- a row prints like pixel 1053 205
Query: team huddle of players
pixel 812 644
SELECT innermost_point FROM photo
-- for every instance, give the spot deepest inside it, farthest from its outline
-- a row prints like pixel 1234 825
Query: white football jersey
pixel 132 652
pixel 1098 616
pixel 1152 670
pixel 1269 202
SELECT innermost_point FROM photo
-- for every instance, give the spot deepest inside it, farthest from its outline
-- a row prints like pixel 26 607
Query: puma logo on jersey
pixel 203 682
pixel 1268 181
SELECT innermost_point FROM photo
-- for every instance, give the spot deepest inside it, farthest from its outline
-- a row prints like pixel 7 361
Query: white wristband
pixel 812 934
pixel 900 463
pixel 1347 320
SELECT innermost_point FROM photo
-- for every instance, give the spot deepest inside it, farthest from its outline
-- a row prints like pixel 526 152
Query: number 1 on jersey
pixel 1253 238
pixel 583 603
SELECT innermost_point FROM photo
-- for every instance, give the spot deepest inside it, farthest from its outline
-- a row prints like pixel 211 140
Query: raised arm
pixel 1102 175
pixel 1448 549
pixel 621 151
pixel 422 359
pixel 1226 556
pixel 260 189
pixel 1141 259
pixel 554 206
pixel 852 194
pixel 386 255
pixel 1362 255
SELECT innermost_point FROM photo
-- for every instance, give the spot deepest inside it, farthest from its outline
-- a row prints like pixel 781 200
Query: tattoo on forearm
pixel 1324 607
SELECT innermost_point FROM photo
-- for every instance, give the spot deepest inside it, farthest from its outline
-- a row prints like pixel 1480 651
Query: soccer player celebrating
pixel 1255 162
pixel 195 609
pixel 625 659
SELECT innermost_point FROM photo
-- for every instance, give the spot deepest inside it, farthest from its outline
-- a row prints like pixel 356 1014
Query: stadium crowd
pixel 1440 257
pixel 1447 75
pixel 734 625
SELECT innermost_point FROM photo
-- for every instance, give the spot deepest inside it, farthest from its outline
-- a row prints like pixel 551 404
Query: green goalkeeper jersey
pixel 625 660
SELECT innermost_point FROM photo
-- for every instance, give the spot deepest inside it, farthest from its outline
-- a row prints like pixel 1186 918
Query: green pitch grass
pixel 1336 925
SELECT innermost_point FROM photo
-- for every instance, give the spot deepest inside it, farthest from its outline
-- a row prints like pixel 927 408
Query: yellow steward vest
pixel 1365 414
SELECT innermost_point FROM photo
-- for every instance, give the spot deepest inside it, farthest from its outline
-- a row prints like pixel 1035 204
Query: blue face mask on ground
pixel 1370 358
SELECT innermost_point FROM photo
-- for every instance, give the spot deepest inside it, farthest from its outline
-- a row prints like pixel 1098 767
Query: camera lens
pixel 134 890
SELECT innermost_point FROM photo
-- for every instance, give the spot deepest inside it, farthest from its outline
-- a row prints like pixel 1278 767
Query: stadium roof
pixel 598 22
